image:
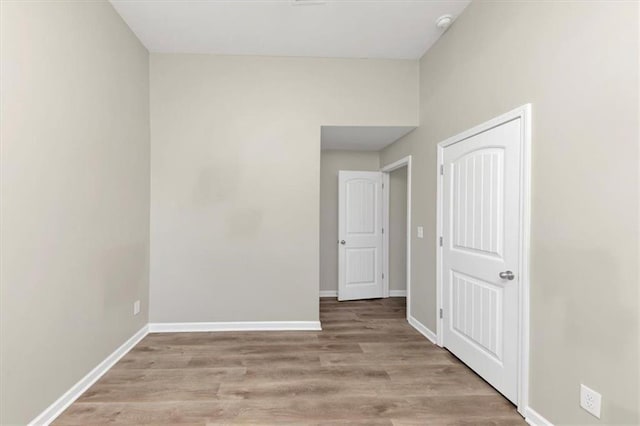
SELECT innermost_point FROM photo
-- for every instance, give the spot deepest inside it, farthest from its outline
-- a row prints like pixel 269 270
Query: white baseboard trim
pixel 328 293
pixel 185 327
pixel 62 403
pixel 534 418
pixel 422 329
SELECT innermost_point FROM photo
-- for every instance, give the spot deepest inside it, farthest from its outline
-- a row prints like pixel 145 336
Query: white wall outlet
pixel 590 400
pixel 136 307
pixel 420 232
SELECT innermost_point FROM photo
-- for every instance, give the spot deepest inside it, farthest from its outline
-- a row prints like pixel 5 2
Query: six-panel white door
pixel 359 235
pixel 481 185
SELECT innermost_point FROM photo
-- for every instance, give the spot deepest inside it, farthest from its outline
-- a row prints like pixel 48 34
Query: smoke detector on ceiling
pixel 444 22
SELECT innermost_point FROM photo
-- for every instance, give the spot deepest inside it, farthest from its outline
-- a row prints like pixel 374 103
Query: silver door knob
pixel 343 242
pixel 507 275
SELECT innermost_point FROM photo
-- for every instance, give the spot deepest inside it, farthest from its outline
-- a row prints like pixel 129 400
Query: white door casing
pixel 481 239
pixel 360 235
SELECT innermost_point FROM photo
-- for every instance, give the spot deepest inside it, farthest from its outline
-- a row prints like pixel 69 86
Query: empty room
pixel 319 212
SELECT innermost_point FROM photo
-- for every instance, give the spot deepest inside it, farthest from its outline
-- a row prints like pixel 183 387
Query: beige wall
pixel 398 229
pixel 74 196
pixel 331 162
pixel 235 181
pixel 577 63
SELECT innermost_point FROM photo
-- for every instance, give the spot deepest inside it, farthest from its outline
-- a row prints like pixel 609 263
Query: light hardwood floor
pixel 367 366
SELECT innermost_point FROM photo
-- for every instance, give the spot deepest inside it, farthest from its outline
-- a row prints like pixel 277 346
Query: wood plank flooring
pixel 367 366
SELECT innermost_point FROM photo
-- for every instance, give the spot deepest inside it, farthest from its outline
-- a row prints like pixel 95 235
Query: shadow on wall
pixel 214 188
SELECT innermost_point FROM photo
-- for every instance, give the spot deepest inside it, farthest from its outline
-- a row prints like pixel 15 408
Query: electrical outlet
pixel 420 232
pixel 136 307
pixel 590 400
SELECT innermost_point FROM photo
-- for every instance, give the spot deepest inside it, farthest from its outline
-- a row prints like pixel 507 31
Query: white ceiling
pixel 361 138
pixel 398 29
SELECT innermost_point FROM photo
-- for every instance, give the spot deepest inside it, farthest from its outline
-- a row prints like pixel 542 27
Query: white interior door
pixel 360 235
pixel 481 222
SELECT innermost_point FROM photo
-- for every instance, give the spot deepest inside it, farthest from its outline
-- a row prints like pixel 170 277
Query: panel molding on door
pixel 483 250
pixel 359 235
pixel 479 329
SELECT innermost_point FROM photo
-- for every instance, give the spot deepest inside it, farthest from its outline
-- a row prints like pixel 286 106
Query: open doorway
pixel 354 149
pixel 365 226
pixel 397 222
pixel 397 234
pixel 373 238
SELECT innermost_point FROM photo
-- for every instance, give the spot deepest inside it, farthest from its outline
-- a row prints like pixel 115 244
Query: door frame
pixel 386 170
pixel 524 114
